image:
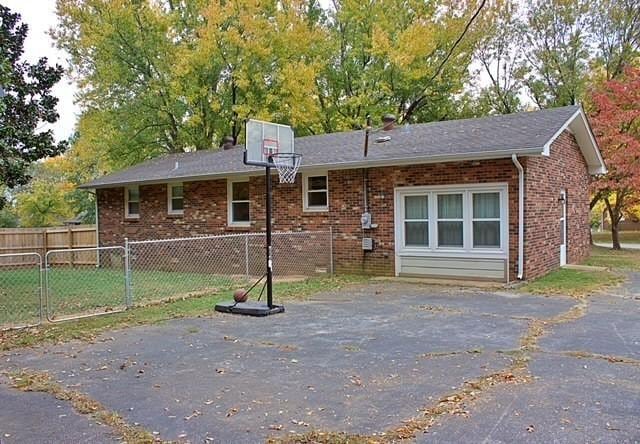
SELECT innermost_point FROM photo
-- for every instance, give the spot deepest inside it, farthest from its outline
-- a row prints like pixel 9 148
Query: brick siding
pixel 205 208
pixel 545 177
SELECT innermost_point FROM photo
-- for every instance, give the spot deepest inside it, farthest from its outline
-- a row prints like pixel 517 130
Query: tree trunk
pixel 615 238
pixel 615 216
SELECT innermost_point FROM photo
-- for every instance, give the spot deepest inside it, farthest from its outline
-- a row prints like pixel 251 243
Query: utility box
pixel 365 220
pixel 367 244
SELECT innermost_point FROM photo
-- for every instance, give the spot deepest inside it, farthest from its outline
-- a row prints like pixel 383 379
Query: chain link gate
pixel 84 282
pixel 21 302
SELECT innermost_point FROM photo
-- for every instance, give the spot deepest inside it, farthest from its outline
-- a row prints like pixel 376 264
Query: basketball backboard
pixel 264 139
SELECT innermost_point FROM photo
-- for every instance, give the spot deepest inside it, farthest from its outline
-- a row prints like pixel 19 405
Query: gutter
pixel 333 166
pixel 514 159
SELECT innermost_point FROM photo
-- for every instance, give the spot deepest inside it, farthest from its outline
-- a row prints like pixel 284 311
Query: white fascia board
pixel 584 128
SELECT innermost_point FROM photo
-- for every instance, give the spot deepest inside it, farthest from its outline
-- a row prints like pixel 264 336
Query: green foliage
pixel 27 102
pixel 501 59
pixel 42 206
pixel 615 25
pixel 160 77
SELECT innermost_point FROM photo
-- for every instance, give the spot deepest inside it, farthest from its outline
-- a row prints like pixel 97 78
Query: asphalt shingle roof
pixel 495 136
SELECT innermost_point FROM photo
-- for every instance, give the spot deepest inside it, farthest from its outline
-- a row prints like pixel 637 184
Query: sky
pixel 40 15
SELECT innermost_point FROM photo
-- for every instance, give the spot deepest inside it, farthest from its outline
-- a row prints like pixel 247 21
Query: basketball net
pixel 287 165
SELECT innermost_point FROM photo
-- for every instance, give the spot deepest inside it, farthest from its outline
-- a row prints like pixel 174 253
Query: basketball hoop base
pixel 249 308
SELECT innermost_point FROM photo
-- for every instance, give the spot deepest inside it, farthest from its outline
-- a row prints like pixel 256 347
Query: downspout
pixel 514 158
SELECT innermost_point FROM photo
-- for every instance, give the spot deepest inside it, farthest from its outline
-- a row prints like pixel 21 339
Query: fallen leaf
pixel 275 427
pixel 193 415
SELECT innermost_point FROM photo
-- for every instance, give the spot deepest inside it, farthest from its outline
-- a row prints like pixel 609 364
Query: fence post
pixel 43 295
pixel 246 255
pixel 45 242
pixel 127 273
pixel 331 250
pixel 70 245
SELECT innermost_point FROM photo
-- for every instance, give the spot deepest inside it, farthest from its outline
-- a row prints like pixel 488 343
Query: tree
pixel 499 53
pixel 8 215
pixel 406 57
pixel 556 52
pixel 615 26
pixel 27 102
pixel 43 205
pixel 162 77
pixel 616 123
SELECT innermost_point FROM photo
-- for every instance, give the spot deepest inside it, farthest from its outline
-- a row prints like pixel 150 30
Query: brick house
pixel 497 198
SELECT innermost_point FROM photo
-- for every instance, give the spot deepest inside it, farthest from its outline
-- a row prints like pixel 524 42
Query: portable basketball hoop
pixel 269 145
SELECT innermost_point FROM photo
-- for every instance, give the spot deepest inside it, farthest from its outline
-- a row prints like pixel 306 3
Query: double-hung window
pixel 238 203
pixel 450 220
pixel 416 221
pixel 132 202
pixel 315 192
pixel 486 220
pixel 175 198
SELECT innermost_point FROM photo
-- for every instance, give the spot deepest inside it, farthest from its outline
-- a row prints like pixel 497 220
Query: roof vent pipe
pixel 227 143
pixel 388 122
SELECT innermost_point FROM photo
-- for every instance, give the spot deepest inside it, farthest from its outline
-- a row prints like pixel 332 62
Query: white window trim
pixel 305 192
pixel 467 250
pixel 170 209
pixel 126 203
pixel 230 221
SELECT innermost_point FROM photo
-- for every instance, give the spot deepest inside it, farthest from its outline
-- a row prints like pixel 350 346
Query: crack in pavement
pixel 455 403
pixel 32 381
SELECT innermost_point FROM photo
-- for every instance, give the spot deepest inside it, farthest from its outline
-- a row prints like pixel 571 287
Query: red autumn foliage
pixel 616 124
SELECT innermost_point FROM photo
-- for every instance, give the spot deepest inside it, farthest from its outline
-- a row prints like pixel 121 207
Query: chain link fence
pixel 184 267
pixel 20 290
pixel 73 283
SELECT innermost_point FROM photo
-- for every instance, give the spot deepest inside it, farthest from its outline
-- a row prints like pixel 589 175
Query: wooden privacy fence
pixel 42 240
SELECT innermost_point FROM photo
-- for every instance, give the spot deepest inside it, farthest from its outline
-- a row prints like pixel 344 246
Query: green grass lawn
pixel 632 237
pixel 623 260
pixel 82 290
pixel 577 282
pixel 201 305
pixel 570 282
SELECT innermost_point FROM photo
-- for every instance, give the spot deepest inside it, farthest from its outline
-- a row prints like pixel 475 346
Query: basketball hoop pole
pixel 268 227
pixel 268 189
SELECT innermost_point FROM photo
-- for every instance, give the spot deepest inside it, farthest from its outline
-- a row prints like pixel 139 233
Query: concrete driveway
pixel 377 360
